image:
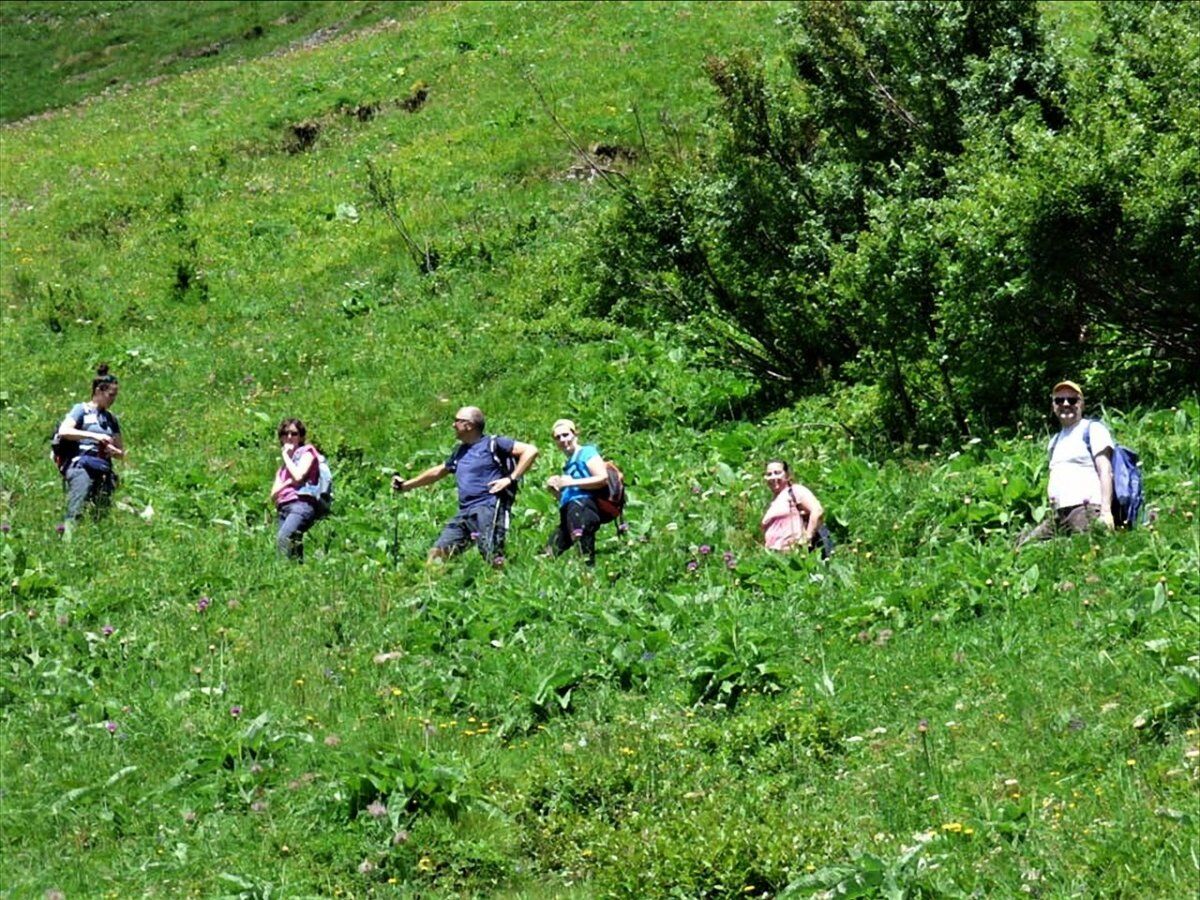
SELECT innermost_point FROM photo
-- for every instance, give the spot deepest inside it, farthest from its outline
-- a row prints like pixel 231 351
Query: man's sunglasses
pixel 1065 401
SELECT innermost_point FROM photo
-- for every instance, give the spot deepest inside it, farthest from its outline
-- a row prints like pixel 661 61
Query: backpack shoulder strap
pixel 1087 437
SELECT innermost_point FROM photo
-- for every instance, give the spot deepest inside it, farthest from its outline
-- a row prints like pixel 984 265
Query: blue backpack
pixel 321 490
pixel 1128 498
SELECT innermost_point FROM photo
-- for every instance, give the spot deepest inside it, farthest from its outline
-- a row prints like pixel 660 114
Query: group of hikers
pixel 590 490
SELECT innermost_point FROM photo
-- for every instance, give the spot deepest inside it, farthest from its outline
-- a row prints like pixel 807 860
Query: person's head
pixel 566 435
pixel 778 475
pixel 104 387
pixel 468 423
pixel 1066 403
pixel 292 431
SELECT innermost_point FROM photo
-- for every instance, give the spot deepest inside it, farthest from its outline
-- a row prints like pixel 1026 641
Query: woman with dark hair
pixel 90 438
pixel 795 517
pixel 297 509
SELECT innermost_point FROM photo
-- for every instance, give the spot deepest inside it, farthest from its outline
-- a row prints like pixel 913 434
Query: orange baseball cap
pixel 1067 384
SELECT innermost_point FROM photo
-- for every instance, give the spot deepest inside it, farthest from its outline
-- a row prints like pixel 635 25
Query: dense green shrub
pixel 932 202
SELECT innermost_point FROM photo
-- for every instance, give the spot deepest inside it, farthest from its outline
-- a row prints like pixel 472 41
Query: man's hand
pixel 495 487
pixel 1106 517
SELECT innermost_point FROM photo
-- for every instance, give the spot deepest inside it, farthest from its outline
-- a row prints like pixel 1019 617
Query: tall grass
pixel 184 715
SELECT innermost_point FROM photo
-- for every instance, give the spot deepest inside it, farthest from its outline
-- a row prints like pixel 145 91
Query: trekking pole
pixel 395 551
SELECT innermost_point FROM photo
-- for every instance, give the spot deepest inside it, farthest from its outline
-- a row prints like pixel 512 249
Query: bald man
pixel 485 488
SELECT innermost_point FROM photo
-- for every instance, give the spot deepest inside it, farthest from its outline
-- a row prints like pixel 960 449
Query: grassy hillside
pixel 183 715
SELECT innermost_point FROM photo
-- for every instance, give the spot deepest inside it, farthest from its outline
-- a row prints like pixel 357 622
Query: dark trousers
pixel 485 525
pixel 578 522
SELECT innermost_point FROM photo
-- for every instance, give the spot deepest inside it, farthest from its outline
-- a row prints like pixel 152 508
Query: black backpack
pixel 506 463
pixel 62 451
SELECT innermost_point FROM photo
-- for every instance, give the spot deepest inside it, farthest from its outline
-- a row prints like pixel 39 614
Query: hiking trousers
pixel 485 525
pixel 1069 520
pixel 83 485
pixel 578 522
pixel 295 518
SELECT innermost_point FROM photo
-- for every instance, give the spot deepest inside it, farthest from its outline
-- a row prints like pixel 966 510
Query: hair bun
pixel 102 370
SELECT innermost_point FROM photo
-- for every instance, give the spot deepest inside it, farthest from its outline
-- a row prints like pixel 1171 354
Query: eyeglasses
pixel 1065 401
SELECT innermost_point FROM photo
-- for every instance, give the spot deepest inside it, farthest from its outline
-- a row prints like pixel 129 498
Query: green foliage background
pixel 929 714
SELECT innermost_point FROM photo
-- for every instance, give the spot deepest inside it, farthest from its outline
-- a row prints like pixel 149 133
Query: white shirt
pixel 1073 476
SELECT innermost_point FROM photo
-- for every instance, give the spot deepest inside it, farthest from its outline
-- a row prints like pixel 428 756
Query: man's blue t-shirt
pixel 88 417
pixel 577 467
pixel 474 468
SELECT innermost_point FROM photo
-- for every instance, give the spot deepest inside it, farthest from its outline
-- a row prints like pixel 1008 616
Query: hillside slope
pixel 183 715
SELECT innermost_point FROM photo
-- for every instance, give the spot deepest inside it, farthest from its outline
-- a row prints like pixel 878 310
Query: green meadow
pixel 367 215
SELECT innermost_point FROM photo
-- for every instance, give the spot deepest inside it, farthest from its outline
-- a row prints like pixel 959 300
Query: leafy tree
pixel 930 201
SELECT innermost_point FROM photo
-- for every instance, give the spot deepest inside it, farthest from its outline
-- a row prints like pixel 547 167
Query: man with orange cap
pixel 1081 471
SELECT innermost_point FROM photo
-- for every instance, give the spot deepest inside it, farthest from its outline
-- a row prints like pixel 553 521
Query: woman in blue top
pixel 97 434
pixel 583 472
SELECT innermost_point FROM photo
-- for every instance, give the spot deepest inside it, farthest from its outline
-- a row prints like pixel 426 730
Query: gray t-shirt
pixel 89 417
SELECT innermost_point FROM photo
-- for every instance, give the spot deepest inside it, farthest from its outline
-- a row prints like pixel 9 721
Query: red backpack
pixel 610 499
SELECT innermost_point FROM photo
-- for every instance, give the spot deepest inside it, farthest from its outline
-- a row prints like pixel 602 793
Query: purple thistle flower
pixel 730 562
pixel 692 565
pixel 498 561
pixel 705 549
pixel 60 527
pixel 5 528
pixel 623 527
pixel 474 535
pixel 202 603
pixel 695 489
pixel 376 810
pixel 111 726
pixel 235 711
pixel 107 630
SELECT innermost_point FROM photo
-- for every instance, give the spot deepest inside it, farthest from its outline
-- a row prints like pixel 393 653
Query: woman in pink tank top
pixel 795 517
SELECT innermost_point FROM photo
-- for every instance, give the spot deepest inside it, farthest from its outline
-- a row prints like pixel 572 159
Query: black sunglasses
pixel 1068 401
pixel 292 431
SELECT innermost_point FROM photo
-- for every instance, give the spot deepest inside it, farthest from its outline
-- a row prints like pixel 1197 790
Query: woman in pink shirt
pixel 297 511
pixel 795 517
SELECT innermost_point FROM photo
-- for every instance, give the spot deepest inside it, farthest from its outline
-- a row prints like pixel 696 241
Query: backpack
pixel 610 498
pixel 62 451
pixel 506 463
pixel 321 490
pixel 1127 495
